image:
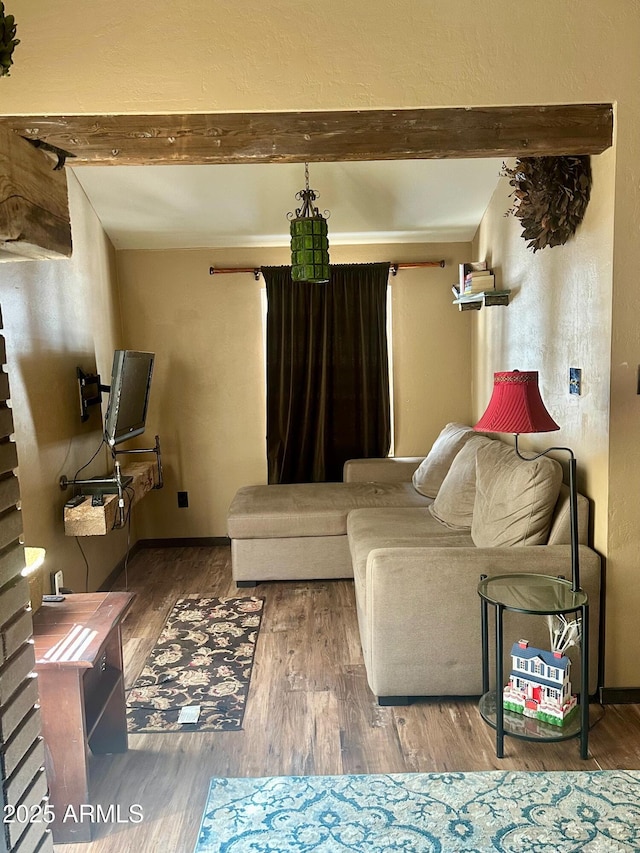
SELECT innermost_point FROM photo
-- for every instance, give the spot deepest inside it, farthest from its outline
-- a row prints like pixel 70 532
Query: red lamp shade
pixel 516 405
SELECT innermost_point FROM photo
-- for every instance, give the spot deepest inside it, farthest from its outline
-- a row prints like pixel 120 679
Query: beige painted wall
pixel 208 393
pixel 559 317
pixel 154 56
pixel 289 56
pixel 59 315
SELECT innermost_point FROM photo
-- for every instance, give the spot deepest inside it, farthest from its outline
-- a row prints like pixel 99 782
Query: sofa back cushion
pixel 515 498
pixel 454 502
pixel 560 530
pixel 431 472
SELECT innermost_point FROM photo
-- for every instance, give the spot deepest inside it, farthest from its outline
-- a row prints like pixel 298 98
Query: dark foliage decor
pixel 550 195
pixel 8 41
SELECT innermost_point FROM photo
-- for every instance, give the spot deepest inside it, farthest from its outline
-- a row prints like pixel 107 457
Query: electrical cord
pixel 603 712
pixel 126 556
pixel 168 679
pixel 129 491
pixel 127 520
pixel 84 556
pixel 131 494
pixel 86 464
pixel 86 562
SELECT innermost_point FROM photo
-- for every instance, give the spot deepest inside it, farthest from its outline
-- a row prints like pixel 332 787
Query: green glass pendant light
pixel 309 239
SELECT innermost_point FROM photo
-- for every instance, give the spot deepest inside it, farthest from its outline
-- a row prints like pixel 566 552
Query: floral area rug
pixel 512 812
pixel 204 657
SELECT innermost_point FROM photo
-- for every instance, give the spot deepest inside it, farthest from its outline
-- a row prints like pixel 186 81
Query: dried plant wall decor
pixel 8 41
pixel 550 195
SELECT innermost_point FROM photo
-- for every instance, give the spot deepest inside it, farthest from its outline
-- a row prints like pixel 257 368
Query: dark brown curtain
pixel 327 372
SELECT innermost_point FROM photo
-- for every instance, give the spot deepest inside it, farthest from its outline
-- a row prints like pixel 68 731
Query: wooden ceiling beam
pixel 296 137
pixel 34 207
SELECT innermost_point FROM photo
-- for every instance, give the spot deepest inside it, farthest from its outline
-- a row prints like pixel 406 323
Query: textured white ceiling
pixel 184 206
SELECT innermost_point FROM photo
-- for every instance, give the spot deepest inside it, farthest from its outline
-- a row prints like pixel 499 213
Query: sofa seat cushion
pixel 369 529
pixel 310 509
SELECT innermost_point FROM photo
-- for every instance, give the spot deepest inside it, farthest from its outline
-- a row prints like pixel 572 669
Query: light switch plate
pixel 575 380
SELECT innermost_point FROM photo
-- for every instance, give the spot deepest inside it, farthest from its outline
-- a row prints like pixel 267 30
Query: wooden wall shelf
pixel 88 520
pixel 476 301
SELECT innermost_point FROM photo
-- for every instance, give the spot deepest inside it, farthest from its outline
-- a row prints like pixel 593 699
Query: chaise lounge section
pixel 299 531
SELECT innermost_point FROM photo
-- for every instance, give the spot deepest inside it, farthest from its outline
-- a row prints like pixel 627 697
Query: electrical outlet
pixel 575 380
pixel 183 500
pixel 57 582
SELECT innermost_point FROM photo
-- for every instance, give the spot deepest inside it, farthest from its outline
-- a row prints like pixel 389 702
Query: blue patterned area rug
pixel 515 812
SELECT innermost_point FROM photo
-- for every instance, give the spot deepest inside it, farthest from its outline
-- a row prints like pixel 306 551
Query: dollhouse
pixel 539 684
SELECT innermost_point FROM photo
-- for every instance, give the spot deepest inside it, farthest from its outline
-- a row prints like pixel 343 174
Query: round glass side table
pixel 539 595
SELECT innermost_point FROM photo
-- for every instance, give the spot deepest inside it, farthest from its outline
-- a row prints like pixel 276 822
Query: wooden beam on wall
pixel 295 137
pixel 34 206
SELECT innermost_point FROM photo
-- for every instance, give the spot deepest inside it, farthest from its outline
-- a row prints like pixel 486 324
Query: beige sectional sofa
pixel 416 535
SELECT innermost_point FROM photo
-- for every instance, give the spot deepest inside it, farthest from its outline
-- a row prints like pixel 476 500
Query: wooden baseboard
pixel 619 695
pixel 189 542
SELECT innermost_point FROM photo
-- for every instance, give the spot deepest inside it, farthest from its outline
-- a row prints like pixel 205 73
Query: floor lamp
pixel 516 407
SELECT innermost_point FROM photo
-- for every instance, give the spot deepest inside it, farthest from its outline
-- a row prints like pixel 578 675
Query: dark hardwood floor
pixel 309 711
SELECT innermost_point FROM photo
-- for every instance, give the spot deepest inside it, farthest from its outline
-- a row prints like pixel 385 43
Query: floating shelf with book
pixel 476 288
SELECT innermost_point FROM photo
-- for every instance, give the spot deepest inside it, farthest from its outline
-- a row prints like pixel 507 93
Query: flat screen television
pixel 128 395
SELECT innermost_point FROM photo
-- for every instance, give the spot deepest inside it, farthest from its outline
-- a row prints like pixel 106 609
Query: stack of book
pixel 478 282
pixel 475 277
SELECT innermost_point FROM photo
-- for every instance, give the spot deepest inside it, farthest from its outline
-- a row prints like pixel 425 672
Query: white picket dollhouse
pixel 539 684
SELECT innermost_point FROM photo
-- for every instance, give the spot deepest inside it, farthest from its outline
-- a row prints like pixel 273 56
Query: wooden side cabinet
pixel 78 647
